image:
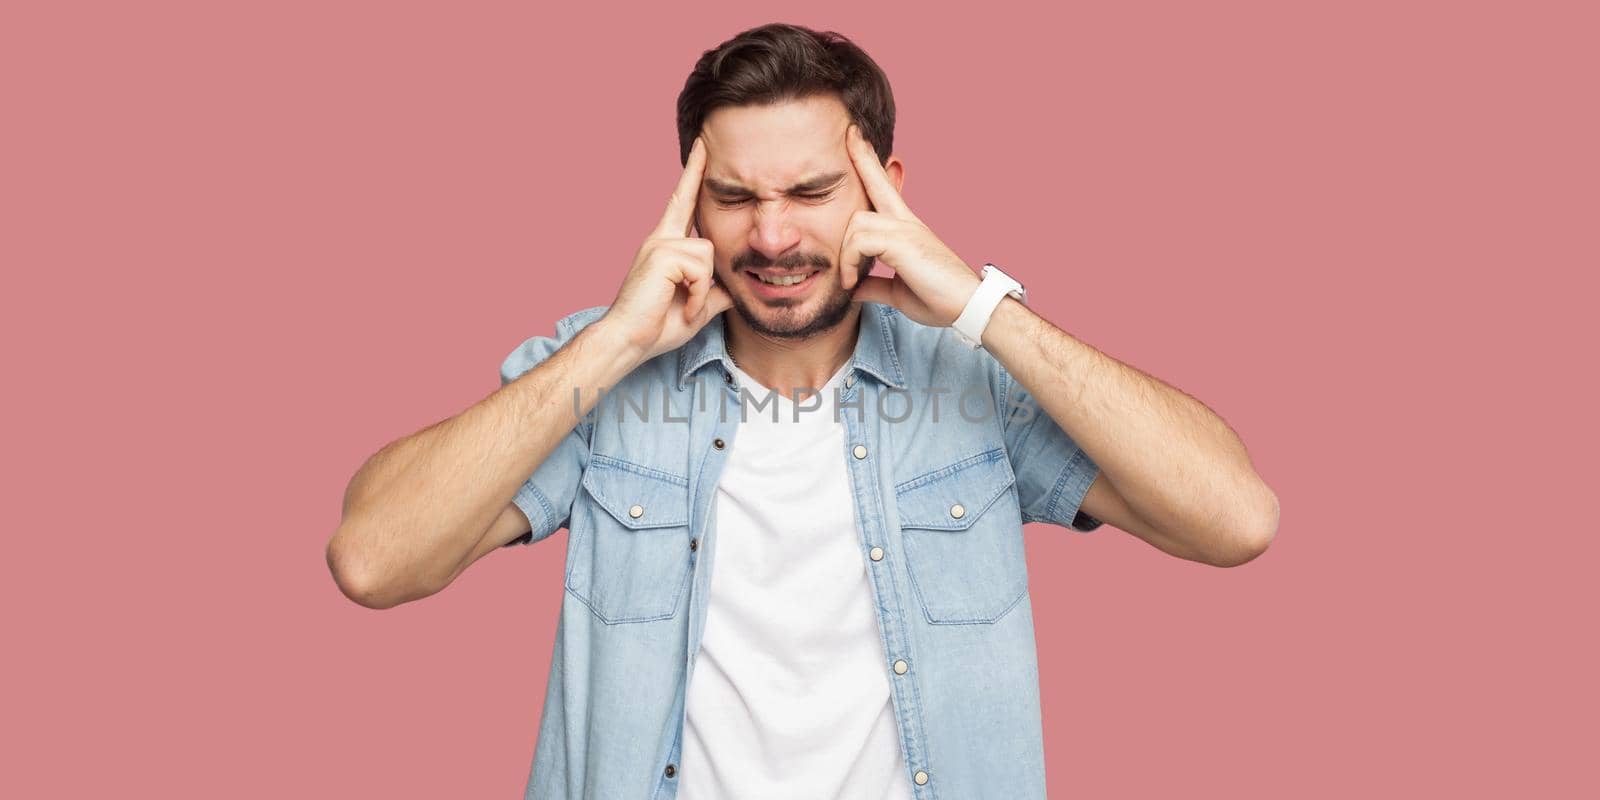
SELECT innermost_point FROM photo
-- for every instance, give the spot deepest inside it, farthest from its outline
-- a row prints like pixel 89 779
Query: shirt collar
pixel 874 354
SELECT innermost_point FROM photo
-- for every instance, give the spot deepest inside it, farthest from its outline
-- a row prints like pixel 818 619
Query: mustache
pixel 751 258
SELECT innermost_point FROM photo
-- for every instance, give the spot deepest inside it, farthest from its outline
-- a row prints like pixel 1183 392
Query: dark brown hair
pixel 777 63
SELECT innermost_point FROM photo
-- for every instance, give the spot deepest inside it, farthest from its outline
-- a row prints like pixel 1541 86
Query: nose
pixel 771 234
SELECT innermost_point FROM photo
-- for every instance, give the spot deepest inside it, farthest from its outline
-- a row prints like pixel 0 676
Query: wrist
pixel 1010 317
pixel 966 296
pixel 615 344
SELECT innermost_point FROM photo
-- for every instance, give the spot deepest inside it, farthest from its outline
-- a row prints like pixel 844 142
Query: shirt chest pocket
pixel 961 529
pixel 628 550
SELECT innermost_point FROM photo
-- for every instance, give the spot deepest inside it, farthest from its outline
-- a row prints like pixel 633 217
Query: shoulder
pixel 908 335
pixel 935 355
pixel 535 349
pixel 569 325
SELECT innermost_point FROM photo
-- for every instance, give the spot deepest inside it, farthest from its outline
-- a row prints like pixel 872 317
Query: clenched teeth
pixel 782 280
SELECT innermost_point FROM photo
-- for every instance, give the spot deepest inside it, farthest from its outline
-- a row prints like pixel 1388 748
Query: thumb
pixel 697 297
pixel 874 289
pixel 717 301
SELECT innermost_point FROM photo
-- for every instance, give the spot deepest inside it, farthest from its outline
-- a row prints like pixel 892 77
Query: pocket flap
pixel 638 497
pixel 953 497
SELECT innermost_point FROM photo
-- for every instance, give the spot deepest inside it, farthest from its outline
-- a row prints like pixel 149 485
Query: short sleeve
pixel 1053 473
pixel 547 495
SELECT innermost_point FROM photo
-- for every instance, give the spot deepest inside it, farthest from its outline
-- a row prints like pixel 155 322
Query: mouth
pixel 774 283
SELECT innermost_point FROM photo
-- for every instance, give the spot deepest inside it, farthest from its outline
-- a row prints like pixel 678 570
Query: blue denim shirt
pixel 947 457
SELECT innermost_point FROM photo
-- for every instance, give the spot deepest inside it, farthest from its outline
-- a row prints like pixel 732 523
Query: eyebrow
pixel 808 186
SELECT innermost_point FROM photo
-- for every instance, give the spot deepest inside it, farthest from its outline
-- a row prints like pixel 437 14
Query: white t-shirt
pixel 790 692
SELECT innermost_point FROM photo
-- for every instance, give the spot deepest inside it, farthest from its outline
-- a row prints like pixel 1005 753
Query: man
pixel 856 455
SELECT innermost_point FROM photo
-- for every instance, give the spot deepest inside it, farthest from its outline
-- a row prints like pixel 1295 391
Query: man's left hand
pixel 931 284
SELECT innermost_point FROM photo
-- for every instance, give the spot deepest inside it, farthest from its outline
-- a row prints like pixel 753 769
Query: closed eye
pixel 741 201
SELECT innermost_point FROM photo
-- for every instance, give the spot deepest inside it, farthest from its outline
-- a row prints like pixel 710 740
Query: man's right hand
pixel 670 292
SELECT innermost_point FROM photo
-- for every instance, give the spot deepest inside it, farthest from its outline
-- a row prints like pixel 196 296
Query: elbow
pixel 1244 550
pixel 1253 540
pixel 356 577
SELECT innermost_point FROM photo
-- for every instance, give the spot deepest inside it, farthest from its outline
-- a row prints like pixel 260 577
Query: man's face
pixel 779 190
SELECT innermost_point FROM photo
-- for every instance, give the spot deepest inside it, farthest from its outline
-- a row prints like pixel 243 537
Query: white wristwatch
pixel 975 317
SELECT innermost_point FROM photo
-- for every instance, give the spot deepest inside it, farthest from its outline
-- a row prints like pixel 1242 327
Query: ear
pixel 896 170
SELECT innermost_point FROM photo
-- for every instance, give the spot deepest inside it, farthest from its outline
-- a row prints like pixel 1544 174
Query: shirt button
pixel 958 511
pixel 727 377
pixel 900 667
pixel 860 451
pixel 849 380
pixel 636 511
pixel 671 771
pixel 694 544
pixel 718 443
pixel 877 554
pixel 921 777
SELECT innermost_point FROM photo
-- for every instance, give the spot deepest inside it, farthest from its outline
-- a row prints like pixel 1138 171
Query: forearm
pixel 1176 464
pixel 418 506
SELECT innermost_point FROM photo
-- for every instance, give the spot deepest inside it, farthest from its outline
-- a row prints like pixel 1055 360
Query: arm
pixel 1171 471
pixel 425 507
pixel 1174 474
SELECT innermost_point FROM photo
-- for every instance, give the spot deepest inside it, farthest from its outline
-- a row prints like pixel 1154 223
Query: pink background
pixel 244 248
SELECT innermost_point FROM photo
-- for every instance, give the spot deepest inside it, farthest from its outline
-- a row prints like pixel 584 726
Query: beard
pixel 830 303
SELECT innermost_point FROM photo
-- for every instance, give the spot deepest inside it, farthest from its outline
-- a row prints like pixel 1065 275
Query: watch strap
pixel 974 318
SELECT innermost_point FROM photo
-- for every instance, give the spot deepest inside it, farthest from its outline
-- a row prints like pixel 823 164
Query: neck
pixel 781 364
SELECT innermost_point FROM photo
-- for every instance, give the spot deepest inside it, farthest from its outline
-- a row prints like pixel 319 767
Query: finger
pixel 679 216
pixel 859 244
pixel 688 268
pixel 885 198
pixel 717 301
pixel 849 270
pixel 695 260
pixel 699 286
